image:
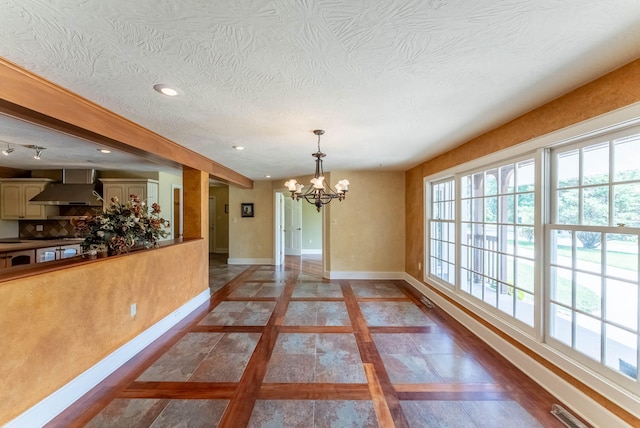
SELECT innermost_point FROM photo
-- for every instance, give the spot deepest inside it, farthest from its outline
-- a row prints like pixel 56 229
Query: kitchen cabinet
pixel 58 252
pixel 122 188
pixel 14 199
pixel 15 258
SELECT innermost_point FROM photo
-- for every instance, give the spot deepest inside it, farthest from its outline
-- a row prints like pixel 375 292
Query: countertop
pixel 30 244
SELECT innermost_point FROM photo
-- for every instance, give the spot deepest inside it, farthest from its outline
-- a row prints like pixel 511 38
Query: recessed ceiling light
pixel 104 150
pixel 267 176
pixel 167 90
pixel 238 147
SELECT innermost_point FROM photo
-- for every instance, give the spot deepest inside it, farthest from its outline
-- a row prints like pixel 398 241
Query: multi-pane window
pixel 593 251
pixel 486 242
pixel 497 238
pixel 442 255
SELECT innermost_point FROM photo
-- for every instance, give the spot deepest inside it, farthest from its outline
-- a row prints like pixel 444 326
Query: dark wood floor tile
pixel 195 390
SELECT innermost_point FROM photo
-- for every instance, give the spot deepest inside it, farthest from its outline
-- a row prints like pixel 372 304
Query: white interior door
pixel 212 224
pixel 279 229
pixel 293 227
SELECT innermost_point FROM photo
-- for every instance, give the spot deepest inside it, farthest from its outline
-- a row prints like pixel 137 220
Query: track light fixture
pixel 8 151
pixel 38 150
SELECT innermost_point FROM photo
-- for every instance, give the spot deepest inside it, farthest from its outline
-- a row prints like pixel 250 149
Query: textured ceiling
pixel 391 82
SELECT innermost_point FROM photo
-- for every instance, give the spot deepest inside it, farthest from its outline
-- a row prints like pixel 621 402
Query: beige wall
pixel 365 232
pixel 222 218
pixel 251 237
pixel 57 325
pixel 367 229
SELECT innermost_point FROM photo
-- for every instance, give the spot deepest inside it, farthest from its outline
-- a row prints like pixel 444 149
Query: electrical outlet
pixel 39 228
pixel 134 309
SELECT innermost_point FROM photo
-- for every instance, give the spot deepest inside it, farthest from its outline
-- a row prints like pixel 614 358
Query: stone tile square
pixel 377 289
pixel 181 360
pixel 436 343
pixel 345 413
pixel 332 314
pixel 221 367
pixel 282 413
pixel 458 369
pixel 270 290
pixel 246 290
pixel 488 414
pixel 124 412
pixel 405 368
pixel 252 318
pixel 290 368
pixel 301 313
pixel 340 343
pixel 448 414
pixel 295 343
pixel 317 289
pixel 338 367
pixel 191 414
pixel 237 343
pixel 394 314
pixel 397 343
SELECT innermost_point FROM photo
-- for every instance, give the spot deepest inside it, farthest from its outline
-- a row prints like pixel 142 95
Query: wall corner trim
pixel 54 404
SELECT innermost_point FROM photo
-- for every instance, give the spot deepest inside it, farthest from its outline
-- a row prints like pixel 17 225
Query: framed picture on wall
pixel 247 210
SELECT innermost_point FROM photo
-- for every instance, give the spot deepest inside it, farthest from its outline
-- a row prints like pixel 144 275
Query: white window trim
pixel 606 123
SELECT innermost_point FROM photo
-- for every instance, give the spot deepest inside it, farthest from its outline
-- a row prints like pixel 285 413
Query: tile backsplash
pixel 62 228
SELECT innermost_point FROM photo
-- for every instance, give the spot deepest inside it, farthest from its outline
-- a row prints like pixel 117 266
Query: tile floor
pixel 283 348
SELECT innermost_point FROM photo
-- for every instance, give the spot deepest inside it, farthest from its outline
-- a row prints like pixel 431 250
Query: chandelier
pixel 320 193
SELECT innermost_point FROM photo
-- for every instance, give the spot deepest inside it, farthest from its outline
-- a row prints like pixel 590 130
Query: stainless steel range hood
pixel 77 188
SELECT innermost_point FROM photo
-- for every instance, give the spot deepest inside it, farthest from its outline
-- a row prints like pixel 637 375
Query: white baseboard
pixel 249 261
pixel 576 400
pixel 54 404
pixel 311 251
pixel 364 275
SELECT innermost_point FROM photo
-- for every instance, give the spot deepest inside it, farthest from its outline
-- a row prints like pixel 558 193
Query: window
pixel 593 249
pixel 442 231
pixel 497 239
pixel 486 238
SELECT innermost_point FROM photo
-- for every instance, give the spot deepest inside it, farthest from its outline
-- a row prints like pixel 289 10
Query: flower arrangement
pixel 122 226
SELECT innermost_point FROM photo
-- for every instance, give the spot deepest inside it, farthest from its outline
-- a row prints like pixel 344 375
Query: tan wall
pixel 251 237
pixel 617 89
pixel 57 325
pixel 222 218
pixel 364 233
pixel 367 231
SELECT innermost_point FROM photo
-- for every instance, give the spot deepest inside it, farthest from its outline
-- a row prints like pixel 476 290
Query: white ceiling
pixel 392 83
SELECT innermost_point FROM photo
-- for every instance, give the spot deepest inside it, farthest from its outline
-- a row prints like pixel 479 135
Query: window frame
pixel 624 124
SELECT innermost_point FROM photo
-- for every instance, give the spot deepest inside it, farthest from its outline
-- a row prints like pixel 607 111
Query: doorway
pixel 290 220
pixel 292 227
pixel 212 224
pixel 176 211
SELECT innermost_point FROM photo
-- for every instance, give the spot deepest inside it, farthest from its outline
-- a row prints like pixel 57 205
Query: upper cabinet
pixel 15 196
pixel 123 188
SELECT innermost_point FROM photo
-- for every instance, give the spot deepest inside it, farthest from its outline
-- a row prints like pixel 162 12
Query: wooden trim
pixel 29 97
